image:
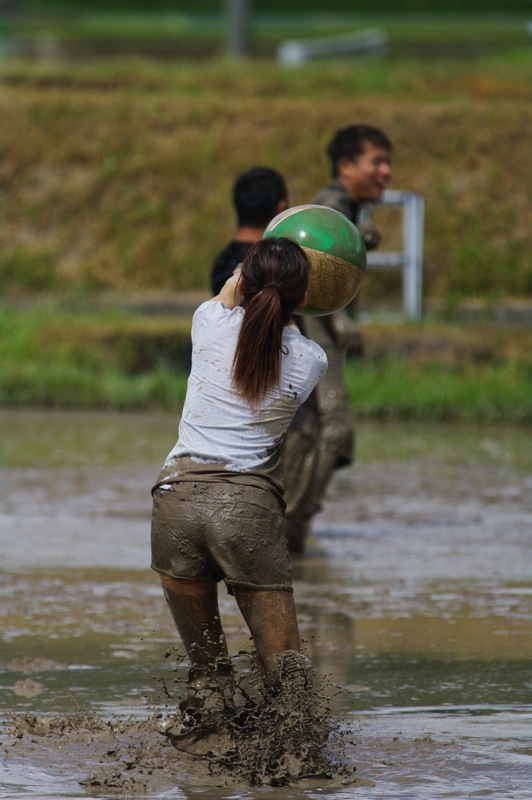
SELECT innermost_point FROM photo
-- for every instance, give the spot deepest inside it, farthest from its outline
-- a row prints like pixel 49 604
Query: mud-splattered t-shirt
pixel 219 431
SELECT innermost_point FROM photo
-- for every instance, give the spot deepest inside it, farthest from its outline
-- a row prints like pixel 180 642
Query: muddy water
pixel 414 598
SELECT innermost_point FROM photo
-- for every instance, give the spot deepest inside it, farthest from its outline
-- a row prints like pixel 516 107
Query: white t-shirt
pixel 217 424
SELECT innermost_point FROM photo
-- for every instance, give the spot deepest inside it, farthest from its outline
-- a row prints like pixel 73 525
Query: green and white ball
pixel 335 250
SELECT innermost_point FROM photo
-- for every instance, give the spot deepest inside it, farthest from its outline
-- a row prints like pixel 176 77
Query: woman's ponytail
pixel 274 282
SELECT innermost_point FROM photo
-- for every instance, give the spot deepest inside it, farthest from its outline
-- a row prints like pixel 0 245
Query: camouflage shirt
pixel 335 196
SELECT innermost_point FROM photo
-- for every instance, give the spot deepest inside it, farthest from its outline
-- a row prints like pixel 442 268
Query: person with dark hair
pixel 258 195
pixel 321 438
pixel 360 159
pixel 218 500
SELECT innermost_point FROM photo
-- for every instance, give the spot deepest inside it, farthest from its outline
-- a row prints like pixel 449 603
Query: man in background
pixel 360 158
pixel 258 196
pixel 321 438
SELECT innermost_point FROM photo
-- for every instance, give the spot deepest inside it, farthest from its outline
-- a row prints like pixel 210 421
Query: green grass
pixel 66 359
pixel 208 30
pixel 397 389
pixel 57 356
pixel 296 7
pixel 68 386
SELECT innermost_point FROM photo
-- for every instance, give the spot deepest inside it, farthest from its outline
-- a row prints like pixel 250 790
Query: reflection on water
pixel 414 596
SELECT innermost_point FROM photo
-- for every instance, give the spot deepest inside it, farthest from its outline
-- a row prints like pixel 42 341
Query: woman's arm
pixel 230 295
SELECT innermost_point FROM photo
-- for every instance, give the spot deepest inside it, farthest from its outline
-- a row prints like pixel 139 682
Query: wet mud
pixel 274 739
pixel 413 598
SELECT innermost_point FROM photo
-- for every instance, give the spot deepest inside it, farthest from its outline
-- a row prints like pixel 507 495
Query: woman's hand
pixel 230 294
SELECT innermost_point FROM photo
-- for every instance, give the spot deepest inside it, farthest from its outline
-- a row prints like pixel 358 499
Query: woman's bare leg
pixel 271 618
pixel 194 608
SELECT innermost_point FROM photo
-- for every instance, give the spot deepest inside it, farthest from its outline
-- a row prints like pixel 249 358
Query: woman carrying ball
pixel 218 501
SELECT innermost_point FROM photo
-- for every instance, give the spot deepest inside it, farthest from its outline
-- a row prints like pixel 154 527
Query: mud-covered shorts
pixel 212 531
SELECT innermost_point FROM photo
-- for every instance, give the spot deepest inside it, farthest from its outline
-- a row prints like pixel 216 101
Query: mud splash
pixel 274 739
pixel 268 737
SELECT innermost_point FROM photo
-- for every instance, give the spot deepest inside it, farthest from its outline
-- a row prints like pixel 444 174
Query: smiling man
pixel 321 438
pixel 360 157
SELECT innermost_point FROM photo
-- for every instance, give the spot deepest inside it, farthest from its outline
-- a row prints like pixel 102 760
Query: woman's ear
pixel 305 299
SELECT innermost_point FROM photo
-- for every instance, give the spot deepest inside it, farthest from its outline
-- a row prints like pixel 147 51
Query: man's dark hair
pixel 256 194
pixel 350 143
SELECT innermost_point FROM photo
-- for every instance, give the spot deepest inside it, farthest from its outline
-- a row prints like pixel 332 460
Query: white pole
pixel 410 259
pixel 414 206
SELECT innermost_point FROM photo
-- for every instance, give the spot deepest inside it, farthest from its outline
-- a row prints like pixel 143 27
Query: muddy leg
pixel 194 608
pixel 271 618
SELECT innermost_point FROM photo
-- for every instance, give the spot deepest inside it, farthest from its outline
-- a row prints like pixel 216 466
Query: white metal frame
pixel 294 52
pixel 410 258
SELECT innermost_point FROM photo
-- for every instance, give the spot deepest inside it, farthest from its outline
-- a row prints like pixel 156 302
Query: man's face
pixel 366 178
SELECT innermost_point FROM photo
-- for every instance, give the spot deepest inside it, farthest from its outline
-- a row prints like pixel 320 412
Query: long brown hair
pixel 274 281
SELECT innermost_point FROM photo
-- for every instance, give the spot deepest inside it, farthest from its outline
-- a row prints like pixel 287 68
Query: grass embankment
pixel 443 372
pixel 52 357
pixel 117 176
pixel 56 358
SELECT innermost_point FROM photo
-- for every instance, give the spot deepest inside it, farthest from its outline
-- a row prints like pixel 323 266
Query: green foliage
pixel 67 386
pixel 397 389
pixel 22 269
pixel 56 358
pixel 396 7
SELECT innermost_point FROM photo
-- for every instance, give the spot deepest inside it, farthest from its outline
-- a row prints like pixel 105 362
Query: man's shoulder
pixel 335 196
pixel 234 246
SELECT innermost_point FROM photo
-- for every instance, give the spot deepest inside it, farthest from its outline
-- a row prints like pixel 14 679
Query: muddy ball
pixel 335 250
